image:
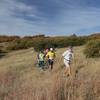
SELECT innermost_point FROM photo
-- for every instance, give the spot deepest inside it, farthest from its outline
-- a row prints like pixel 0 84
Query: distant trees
pixel 4 38
pixel 8 38
pixel 40 42
pixel 19 44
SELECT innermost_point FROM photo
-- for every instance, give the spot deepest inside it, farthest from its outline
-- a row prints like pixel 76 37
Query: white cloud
pixel 10 24
pixel 72 18
pixel 9 7
pixel 75 20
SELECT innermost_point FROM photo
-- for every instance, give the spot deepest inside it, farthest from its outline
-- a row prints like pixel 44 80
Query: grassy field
pixel 21 80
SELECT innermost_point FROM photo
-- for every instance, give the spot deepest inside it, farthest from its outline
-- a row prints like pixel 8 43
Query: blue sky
pixel 50 17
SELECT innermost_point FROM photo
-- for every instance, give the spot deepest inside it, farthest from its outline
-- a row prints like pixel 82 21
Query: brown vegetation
pixel 21 80
pixel 41 41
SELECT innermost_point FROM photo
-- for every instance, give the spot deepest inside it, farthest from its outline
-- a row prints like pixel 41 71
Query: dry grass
pixel 21 80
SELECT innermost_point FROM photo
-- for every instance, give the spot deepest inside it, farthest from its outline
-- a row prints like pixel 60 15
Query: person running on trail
pixel 68 55
pixel 51 56
pixel 46 51
pixel 41 58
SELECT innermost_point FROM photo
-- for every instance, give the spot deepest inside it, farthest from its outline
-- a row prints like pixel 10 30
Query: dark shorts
pixel 50 62
pixel 41 63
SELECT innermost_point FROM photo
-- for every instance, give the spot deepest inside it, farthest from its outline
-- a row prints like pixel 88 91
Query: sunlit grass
pixel 21 80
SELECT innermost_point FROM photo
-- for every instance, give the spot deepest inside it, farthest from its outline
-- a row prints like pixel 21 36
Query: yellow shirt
pixel 50 55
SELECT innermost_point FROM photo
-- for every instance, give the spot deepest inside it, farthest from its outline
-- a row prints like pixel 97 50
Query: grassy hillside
pixel 21 80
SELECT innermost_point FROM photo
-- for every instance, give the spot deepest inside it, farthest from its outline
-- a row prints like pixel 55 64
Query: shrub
pixel 8 38
pixel 51 43
pixel 92 48
pixel 42 44
pixel 17 44
pixel 39 45
pixel 67 41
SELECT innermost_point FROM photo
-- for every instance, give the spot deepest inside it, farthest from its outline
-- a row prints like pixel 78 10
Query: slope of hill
pixel 20 79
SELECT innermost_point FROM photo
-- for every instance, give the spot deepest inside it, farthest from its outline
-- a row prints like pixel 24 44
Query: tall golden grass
pixel 21 80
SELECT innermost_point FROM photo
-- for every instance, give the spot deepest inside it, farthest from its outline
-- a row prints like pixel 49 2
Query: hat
pixel 51 49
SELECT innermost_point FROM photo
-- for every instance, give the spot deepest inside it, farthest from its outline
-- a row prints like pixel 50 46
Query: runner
pixel 68 55
pixel 46 51
pixel 41 59
pixel 51 56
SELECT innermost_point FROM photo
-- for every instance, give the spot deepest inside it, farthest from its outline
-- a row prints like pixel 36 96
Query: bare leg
pixel 51 67
pixel 68 70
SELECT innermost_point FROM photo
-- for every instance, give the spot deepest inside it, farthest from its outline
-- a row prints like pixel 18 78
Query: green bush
pixel 40 43
pixel 73 41
pixel 43 44
pixel 19 44
pixel 92 48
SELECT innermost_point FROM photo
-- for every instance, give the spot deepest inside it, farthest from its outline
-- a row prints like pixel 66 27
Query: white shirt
pixel 68 55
